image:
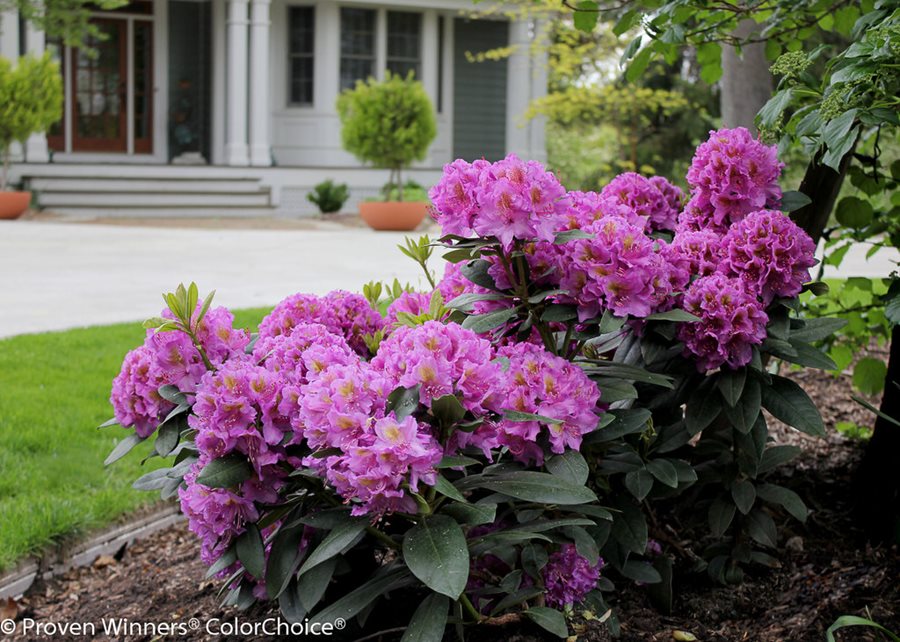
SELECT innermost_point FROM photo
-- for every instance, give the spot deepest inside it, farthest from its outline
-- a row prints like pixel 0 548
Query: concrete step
pixel 53 199
pixel 163 212
pixel 119 184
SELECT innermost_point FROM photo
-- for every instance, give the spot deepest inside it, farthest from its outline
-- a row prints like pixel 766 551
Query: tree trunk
pixel 822 184
pixel 746 81
pixel 877 481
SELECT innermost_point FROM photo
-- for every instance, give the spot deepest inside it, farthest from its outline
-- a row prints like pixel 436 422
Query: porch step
pixel 157 192
pixel 164 212
pixel 168 198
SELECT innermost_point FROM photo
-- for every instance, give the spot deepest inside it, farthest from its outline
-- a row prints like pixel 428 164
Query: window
pixel 301 28
pixel 357 45
pixel 404 36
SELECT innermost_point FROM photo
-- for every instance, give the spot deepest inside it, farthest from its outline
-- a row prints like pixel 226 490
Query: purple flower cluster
pixel 510 199
pixel 171 358
pixel 541 383
pixel 654 199
pixel 414 303
pixel 343 313
pixel 770 254
pixel 569 577
pixel 731 175
pixel 619 268
pixel 732 321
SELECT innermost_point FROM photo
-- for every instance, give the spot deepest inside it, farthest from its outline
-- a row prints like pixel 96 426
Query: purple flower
pixel 770 254
pixel 305 347
pixel 510 200
pixel 135 398
pixel 541 383
pixel 732 321
pixel 569 577
pixel 655 200
pixel 413 303
pixel 343 313
pixel 699 252
pixel 731 175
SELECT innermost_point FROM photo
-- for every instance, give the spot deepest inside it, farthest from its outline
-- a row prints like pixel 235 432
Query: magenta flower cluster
pixel 655 199
pixel 171 358
pixel 510 199
pixel 343 313
pixel 569 577
pixel 731 175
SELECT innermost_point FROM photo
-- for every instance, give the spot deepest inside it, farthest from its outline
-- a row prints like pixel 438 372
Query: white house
pixel 228 106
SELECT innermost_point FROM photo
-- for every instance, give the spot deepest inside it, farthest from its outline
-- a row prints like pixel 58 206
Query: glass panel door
pixel 143 87
pixel 99 90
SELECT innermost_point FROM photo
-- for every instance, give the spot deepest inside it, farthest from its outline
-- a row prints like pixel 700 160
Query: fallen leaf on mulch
pixel 9 609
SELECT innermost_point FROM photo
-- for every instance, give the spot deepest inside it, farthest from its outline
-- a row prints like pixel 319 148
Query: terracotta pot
pixel 13 204
pixel 393 215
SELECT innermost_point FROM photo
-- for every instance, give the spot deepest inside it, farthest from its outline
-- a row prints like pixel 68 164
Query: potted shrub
pixel 31 100
pixel 328 196
pixel 389 124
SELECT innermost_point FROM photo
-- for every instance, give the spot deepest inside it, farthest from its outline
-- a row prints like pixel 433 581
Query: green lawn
pixel 54 391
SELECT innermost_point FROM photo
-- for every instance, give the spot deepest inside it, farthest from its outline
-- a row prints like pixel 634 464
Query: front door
pixel 111 90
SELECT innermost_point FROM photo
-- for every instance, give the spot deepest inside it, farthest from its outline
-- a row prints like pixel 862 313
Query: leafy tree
pixel 843 116
pixel 31 101
pixel 389 124
pixel 68 20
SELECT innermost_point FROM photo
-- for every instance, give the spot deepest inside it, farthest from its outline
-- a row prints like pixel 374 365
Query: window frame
pixel 291 56
pixel 376 41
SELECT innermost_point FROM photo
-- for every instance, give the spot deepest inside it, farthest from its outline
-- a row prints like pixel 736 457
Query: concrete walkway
pixel 55 276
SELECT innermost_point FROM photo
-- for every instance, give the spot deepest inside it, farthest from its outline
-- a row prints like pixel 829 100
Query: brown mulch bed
pixel 827 570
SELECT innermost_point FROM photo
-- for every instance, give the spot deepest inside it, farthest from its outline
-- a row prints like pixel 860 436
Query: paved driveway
pixel 57 275
pixel 61 275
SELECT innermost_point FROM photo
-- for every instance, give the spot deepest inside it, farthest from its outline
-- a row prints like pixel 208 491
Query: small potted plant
pixel 329 196
pixel 31 100
pixel 389 124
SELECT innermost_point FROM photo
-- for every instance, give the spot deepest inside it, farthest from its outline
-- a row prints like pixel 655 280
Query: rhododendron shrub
pixel 497 441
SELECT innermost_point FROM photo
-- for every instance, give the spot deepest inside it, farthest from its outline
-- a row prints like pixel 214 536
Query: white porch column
pixel 260 145
pixel 539 71
pixel 518 88
pixel 430 55
pixel 36 150
pixel 236 95
pixel 9 48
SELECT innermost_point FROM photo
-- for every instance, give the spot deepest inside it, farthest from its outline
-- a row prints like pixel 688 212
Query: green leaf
pixel 403 402
pixel 629 528
pixel 761 528
pixel 784 497
pixel 291 605
pixel 456 461
pixel 638 64
pixel 122 448
pixel 549 619
pixel 429 620
pixel 482 323
pixel 810 356
pixel 663 471
pixel 639 483
pixel 788 402
pixel 641 571
pixel 570 466
pixel 356 600
pixel 775 456
pixel 701 410
pixel 447 489
pixel 539 487
pixel 731 385
pixel 516 415
pixel 772 110
pixel 721 513
pixel 744 494
pixel 854 212
pixel 792 201
pixel 250 551
pixel 447 409
pixel 853 620
pixel 869 375
pixel 744 414
pixel 172 394
pixel 436 553
pixel 626 422
pixel 817 329
pixel 108 423
pixel 336 541
pixel 225 472
pixel 283 559
pixel 313 584
pixel 167 438
pixel 559 312
pixel 471 514
pixel 682 316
